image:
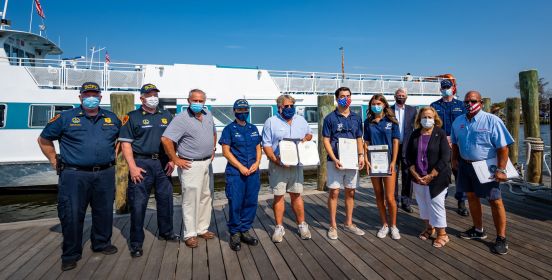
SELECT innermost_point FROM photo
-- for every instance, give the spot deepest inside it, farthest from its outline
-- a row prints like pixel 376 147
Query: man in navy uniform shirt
pixel 86 136
pixel 241 146
pixel 448 108
pixel 149 167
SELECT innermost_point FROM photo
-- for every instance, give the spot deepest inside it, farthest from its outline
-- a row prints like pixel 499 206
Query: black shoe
pixel 136 252
pixel 108 250
pixel 462 210
pixel 248 239
pixel 68 265
pixel 407 208
pixel 173 237
pixel 235 243
pixel 473 234
pixel 501 246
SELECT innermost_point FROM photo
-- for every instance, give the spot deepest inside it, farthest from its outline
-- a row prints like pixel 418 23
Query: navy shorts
pixel 467 182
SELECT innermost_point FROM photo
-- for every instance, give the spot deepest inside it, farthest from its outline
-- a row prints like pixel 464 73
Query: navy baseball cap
pixel 147 88
pixel 90 86
pixel 446 83
pixel 241 103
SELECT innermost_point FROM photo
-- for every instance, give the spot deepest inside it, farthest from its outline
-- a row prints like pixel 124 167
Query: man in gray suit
pixel 406 116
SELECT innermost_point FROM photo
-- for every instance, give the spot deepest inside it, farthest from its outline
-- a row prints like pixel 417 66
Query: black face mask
pixel 400 100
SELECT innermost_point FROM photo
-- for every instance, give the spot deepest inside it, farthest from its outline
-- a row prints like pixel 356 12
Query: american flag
pixel 107 58
pixel 39 9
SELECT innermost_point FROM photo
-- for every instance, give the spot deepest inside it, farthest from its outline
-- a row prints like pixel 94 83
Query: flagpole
pixel 5 9
pixel 31 21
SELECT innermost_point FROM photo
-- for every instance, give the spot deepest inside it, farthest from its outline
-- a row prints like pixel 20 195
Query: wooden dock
pixel 32 250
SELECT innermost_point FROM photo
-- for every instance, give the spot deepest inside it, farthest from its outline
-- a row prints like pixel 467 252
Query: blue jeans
pixel 138 195
pixel 77 189
pixel 242 193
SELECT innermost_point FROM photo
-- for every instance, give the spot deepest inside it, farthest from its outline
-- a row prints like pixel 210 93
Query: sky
pixel 484 43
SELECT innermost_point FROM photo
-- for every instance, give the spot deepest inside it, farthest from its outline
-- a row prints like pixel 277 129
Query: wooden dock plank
pixel 170 255
pixel 230 258
pixel 214 252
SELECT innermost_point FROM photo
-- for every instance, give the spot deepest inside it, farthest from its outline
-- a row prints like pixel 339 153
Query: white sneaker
pixel 278 234
pixel 353 229
pixel 304 230
pixel 332 233
pixel 382 233
pixel 395 233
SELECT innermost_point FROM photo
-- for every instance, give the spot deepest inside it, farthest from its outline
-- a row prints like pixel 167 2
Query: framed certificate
pixel 379 160
pixel 348 153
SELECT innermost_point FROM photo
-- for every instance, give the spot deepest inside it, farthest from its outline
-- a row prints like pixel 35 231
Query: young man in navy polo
pixel 342 123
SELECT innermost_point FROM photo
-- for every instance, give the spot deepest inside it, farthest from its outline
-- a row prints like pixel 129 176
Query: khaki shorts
pixel 285 179
pixel 341 178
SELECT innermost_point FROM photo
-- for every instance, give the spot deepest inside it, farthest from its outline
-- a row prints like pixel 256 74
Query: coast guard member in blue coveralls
pixel 87 136
pixel 149 167
pixel 241 146
pixel 448 108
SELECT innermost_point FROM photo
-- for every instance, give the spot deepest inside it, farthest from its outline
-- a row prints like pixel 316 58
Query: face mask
pixel 376 109
pixel 344 102
pixel 446 92
pixel 400 100
pixel 196 107
pixel 473 108
pixel 288 113
pixel 427 123
pixel 242 116
pixel 91 102
pixel 152 101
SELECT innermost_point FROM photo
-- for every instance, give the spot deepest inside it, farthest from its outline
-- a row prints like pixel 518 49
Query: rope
pixel 533 144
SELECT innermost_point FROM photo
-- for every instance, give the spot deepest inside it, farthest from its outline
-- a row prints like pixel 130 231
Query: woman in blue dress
pixel 381 128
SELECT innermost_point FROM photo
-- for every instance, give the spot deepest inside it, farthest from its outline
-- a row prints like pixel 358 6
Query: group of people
pixel 426 146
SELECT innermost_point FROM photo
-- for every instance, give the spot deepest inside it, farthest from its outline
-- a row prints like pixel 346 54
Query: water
pixel 31 206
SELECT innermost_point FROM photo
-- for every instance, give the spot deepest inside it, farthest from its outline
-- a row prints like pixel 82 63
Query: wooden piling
pixel 512 123
pixel 325 106
pixel 486 104
pixel 528 85
pixel 121 104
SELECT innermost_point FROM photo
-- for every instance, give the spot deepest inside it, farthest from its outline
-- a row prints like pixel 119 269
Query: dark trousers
pixel 406 190
pixel 460 196
pixel 138 196
pixel 242 193
pixel 77 189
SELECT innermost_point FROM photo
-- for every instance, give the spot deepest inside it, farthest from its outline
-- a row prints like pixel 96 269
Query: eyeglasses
pixel 288 106
pixel 471 101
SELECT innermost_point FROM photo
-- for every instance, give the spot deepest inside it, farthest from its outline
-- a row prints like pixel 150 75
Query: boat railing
pixel 71 74
pixel 319 82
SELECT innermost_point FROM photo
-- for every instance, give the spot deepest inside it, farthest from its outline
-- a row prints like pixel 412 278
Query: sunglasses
pixel 288 106
pixel 471 101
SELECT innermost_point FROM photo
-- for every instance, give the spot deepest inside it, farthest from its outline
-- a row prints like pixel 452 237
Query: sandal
pixel 441 241
pixel 427 234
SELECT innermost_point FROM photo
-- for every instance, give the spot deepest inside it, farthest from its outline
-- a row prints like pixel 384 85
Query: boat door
pixel 168 104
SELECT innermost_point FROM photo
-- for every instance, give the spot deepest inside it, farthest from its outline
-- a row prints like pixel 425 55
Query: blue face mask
pixel 196 107
pixel 242 116
pixel 288 113
pixel 446 92
pixel 377 109
pixel 91 102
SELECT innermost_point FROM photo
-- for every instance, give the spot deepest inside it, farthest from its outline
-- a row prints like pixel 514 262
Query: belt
pixel 152 156
pixel 88 168
pixel 468 161
pixel 199 159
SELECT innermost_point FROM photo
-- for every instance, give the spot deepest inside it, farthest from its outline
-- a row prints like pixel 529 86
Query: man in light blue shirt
pixel 476 136
pixel 285 125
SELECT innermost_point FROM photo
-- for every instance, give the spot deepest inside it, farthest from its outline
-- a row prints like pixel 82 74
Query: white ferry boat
pixel 33 88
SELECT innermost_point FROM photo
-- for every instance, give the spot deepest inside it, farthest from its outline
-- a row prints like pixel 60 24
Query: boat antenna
pixel 4 14
pixel 342 63
pixel 31 20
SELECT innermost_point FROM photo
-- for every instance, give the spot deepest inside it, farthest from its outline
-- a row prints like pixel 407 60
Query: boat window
pixel 309 113
pixel 3 115
pixel 30 61
pixel 7 49
pixel 222 115
pixel 357 110
pixel 41 114
pixel 258 115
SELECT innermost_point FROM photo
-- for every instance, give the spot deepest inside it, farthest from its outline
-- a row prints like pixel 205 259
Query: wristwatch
pixel 503 171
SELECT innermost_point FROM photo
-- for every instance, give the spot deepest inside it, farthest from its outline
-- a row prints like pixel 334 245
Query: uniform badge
pixel 125 119
pixel 75 120
pixel 145 121
pixel 107 120
pixel 54 118
pixel 339 127
pixel 164 121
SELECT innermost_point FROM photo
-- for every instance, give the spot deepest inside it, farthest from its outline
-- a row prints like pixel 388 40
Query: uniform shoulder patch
pixel 125 119
pixel 54 118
